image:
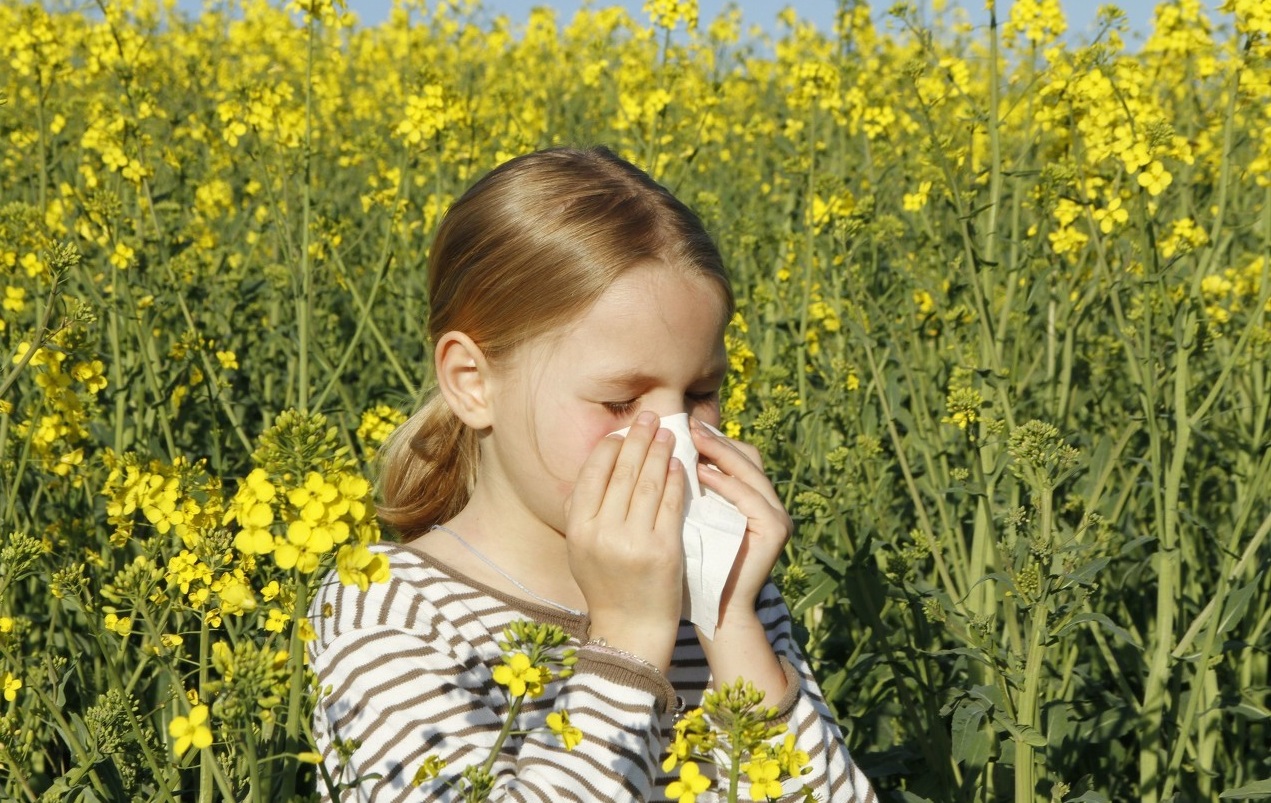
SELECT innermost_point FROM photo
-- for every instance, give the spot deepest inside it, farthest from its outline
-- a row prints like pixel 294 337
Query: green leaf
pixel 1098 619
pixel 972 743
pixel 1252 791
pixel 1024 733
pixel 1236 606
pixel 1086 575
pixel 818 593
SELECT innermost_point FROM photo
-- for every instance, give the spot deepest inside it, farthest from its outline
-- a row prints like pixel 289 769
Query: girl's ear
pixel 463 377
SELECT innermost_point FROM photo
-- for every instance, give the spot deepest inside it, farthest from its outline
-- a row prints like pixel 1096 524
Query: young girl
pixel 571 296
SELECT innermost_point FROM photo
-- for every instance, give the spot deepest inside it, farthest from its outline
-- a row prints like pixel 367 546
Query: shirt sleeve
pixel 398 684
pixel 831 774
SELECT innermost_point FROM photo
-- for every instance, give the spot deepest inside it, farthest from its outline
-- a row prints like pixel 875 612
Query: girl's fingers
pixel 651 486
pixel 752 502
pixel 728 456
pixel 593 480
pixel 670 514
pixel 627 469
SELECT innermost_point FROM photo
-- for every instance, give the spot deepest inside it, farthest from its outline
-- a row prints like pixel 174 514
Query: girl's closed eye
pixel 621 408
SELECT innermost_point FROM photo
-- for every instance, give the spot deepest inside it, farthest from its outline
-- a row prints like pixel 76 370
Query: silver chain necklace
pixel 481 556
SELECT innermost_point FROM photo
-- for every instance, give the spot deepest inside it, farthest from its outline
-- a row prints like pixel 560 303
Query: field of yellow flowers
pixel 1003 337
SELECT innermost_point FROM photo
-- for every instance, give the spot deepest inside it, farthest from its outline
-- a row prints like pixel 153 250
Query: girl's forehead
pixel 656 284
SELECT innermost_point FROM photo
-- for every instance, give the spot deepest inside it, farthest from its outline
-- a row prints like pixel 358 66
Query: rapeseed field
pixel 1003 339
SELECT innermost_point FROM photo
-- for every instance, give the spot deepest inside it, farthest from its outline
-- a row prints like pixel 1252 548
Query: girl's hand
pixel 740 479
pixel 623 537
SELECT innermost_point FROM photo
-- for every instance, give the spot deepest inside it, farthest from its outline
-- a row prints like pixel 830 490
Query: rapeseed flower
pixel 357 565
pixel 191 731
pixel 520 675
pixel 763 773
pixel 558 722
pixel 11 686
pixel 690 784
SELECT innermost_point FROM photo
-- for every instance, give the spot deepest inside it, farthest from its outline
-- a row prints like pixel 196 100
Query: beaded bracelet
pixel 598 644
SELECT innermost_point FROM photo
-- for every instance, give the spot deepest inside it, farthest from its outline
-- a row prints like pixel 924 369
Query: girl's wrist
pixel 617 664
pixel 652 646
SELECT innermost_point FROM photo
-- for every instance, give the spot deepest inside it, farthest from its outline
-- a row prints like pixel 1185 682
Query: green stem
pixel 253 766
pixel 1168 578
pixel 513 711
pixel 296 686
pixel 304 298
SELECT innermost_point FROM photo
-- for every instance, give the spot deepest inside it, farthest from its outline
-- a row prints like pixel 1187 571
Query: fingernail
pixel 662 435
pixel 646 417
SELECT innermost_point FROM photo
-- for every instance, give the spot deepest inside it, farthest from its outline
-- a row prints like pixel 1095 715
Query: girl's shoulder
pixel 422 596
pixel 418 597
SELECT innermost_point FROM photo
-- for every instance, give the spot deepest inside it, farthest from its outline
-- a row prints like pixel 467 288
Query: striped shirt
pixel 405 671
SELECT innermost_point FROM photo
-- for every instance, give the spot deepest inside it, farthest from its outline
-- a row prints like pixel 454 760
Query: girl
pixel 571 296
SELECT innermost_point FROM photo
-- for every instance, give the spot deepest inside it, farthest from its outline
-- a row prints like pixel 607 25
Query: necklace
pixel 481 556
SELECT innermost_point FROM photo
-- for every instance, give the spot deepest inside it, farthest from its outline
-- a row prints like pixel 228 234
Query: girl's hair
pixel 529 247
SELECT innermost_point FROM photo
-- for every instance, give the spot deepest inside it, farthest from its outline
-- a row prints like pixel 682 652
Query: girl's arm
pixel 740 647
pixel 754 637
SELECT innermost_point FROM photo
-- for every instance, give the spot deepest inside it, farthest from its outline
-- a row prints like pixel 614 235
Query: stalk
pixel 1168 570
pixel 508 724
pixel 12 767
pixel 253 765
pixel 304 298
pixel 296 685
pixel 1028 709
pixel 205 771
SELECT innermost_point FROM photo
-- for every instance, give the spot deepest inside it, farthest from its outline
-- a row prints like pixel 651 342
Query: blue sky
pixel 1080 13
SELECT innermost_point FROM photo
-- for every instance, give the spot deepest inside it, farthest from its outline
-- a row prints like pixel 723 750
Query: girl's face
pixel 654 341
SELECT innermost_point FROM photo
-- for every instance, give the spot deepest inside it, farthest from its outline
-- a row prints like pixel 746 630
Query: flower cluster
pixel 733 733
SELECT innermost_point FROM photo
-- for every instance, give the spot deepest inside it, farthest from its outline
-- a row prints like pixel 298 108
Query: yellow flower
pixel 191 730
pixel 519 675
pixel 668 13
pixel 691 784
pixel 1155 178
pixel 14 298
pixel 277 620
pixel 570 736
pixel 6 624
pixel 431 768
pixel 925 303
pixel 792 759
pixel 236 596
pixel 358 566
pixel 11 686
pixel 915 201
pixel 763 774
pixel 227 359
pixel 123 256
pixel 306 630
pixel 119 624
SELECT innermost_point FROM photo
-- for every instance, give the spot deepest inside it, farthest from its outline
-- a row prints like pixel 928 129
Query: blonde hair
pixel 529 247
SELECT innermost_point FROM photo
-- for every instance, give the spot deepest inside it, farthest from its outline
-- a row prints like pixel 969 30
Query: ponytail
pixel 428 467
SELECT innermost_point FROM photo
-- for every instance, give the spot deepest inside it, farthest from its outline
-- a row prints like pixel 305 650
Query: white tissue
pixel 713 530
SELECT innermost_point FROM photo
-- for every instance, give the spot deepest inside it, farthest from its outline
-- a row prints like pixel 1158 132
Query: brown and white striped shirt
pixel 405 671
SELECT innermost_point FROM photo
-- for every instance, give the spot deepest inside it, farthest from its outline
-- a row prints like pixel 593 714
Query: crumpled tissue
pixel 712 534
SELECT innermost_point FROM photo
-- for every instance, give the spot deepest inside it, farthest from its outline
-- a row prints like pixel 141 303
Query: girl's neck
pixel 523 549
